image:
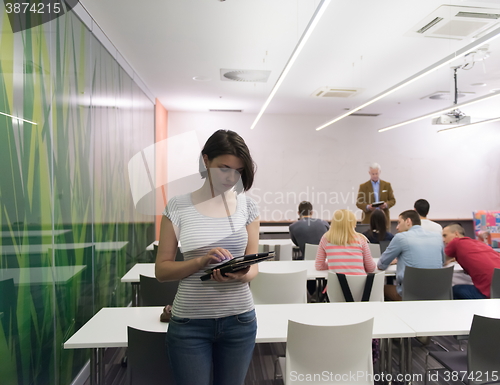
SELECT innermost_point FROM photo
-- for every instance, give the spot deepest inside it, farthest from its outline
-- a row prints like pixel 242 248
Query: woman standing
pixel 213 326
pixel 342 249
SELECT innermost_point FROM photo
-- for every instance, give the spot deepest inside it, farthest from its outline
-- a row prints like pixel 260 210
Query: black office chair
pixel 495 284
pixel 155 293
pixel 482 358
pixel 427 284
pixel 147 358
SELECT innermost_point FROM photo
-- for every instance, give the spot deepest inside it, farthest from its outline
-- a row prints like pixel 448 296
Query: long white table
pixel 271 242
pixel 32 233
pixel 44 248
pixel 108 328
pixel 40 275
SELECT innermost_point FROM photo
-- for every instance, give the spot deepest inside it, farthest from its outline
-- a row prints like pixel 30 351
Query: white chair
pixel 276 248
pixel 331 351
pixel 374 250
pixel 356 284
pixel 279 288
pixel 310 252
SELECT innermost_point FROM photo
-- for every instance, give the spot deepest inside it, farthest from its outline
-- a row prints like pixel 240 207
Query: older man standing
pixel 373 192
pixel 476 258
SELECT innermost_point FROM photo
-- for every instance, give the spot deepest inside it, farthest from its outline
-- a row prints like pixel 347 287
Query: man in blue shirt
pixel 412 246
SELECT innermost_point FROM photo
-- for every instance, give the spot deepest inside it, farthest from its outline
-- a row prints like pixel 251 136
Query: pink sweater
pixel 353 259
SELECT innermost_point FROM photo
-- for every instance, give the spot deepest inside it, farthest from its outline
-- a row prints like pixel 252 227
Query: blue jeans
pixel 222 347
pixel 467 292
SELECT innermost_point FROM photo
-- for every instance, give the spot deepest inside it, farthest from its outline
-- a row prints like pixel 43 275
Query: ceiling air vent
pixel 225 110
pixel 332 92
pixel 458 23
pixel 445 95
pixel 252 76
pixel 364 114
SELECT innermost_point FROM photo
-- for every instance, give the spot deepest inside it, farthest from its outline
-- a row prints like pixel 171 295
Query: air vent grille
pixel 478 15
pixel 331 92
pixel 225 110
pixel 364 114
pixel 430 25
pixel 252 76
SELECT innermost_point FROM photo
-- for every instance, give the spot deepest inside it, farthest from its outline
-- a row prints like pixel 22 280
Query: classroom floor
pixel 261 371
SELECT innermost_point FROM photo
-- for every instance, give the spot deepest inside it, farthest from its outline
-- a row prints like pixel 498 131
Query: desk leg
pixel 389 358
pixel 135 293
pixel 382 365
pixel 402 356
pixel 97 367
pixel 409 365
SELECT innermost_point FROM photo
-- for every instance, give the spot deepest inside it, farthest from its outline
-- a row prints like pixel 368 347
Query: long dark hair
pixel 378 225
pixel 226 142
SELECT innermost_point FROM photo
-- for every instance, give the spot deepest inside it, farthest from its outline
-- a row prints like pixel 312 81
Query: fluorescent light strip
pixel 448 59
pixel 471 124
pixel 439 112
pixel 320 10
pixel 15 117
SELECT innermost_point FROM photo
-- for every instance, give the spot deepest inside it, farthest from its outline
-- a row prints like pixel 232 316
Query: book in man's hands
pixel 377 204
pixel 238 263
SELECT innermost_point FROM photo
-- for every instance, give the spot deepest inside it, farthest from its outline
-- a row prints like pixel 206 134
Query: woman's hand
pixel 236 276
pixel 215 255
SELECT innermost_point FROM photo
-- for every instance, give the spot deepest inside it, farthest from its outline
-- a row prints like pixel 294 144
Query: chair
pixel 383 246
pixel 427 284
pixel 356 284
pixel 336 350
pixel 155 293
pixel 279 288
pixel 482 358
pixel 495 284
pixel 362 227
pixel 310 252
pixel 374 250
pixel 147 361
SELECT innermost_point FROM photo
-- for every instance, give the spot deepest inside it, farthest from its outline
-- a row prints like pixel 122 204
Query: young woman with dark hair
pixel 378 228
pixel 211 335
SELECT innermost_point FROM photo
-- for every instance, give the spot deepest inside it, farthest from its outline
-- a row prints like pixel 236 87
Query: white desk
pixel 108 328
pixel 44 248
pixel 274 229
pixel 443 318
pixel 33 233
pixel 271 242
pixel 41 275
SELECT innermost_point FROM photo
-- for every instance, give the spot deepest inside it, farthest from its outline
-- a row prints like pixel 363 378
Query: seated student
pixel 422 207
pixel 476 258
pixel 342 249
pixel 412 246
pixel 307 229
pixel 378 228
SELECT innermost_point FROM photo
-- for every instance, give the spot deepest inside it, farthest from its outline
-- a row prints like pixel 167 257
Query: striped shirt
pixel 198 234
pixel 353 259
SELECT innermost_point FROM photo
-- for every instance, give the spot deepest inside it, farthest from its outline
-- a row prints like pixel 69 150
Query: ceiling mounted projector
pixel 453 117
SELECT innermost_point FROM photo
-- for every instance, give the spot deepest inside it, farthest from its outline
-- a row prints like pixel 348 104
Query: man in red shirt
pixel 476 258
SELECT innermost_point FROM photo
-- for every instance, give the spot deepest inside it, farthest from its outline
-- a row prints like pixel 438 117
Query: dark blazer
pixel 366 196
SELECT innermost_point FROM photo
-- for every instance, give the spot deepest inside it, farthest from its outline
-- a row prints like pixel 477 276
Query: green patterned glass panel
pixel 64 191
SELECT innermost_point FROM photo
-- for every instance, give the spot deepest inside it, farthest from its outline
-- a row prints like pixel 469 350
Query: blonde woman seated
pixel 342 249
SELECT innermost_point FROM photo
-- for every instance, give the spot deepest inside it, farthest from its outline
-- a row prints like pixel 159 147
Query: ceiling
pixel 358 44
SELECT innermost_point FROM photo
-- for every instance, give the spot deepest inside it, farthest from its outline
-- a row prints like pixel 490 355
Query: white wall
pixel 457 172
